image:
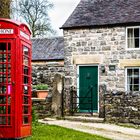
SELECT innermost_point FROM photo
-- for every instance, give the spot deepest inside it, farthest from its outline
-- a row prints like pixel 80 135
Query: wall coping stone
pixel 38 99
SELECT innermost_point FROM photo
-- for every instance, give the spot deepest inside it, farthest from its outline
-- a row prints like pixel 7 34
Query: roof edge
pixel 101 26
pixel 47 59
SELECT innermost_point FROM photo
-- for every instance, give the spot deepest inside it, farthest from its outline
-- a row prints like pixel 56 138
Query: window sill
pixel 133 49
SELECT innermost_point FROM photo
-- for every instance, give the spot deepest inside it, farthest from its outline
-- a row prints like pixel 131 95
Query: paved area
pixel 111 131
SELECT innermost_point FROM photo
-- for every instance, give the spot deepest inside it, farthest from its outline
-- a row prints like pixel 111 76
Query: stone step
pixel 86 114
pixel 85 119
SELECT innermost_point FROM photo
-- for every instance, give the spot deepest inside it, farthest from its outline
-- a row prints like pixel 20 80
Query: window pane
pixel 26 80
pixel 2 109
pixel 25 51
pixel 130 43
pixel 2 89
pixel 130 33
pixel 133 38
pixel 25 100
pixel 136 32
pixel 25 70
pixel 131 87
pixel 129 80
pixel 25 89
pixel 136 72
pixel 25 119
pixel 129 72
pixel 26 61
pixel 26 110
pixel 9 120
pixel 2 57
pixel 136 88
pixel 133 79
pixel 136 42
pixel 2 47
pixel 9 109
pixel 136 81
pixel 2 120
pixel 2 100
pixel 9 47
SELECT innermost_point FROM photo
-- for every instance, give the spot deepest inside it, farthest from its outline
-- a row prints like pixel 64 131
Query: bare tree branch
pixel 35 13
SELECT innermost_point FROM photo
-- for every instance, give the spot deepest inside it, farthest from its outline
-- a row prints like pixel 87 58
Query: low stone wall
pixel 41 107
pixel 44 73
pixel 122 107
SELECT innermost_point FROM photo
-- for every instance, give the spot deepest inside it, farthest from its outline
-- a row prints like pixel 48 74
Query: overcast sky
pixel 61 11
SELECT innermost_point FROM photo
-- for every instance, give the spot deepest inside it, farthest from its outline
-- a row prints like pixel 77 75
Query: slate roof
pixel 48 48
pixel 92 13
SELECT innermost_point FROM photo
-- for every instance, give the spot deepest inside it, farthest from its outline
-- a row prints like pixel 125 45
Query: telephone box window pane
pixel 2 47
pixel 25 51
pixel 9 79
pixel 2 89
pixel 25 100
pixel 25 70
pixel 9 120
pixel 2 57
pixel 9 109
pixel 2 120
pixel 2 100
pixel 9 47
pixel 26 61
pixel 26 80
pixel 3 67
pixel 2 70
pixel 26 110
pixel 25 89
pixel 9 100
pixel 2 109
pixel 9 57
pixel 25 119
pixel 2 79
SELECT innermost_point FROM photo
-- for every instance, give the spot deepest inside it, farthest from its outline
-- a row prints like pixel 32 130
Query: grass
pixel 52 132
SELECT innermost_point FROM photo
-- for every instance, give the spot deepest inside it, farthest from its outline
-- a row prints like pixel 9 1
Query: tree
pixel 5 8
pixel 35 13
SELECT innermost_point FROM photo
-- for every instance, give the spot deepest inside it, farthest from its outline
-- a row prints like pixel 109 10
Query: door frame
pixel 77 79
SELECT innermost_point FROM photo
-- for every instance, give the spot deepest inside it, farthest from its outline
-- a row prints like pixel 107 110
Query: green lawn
pixel 51 132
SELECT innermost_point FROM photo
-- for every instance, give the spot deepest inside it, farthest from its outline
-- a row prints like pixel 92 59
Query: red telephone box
pixel 15 80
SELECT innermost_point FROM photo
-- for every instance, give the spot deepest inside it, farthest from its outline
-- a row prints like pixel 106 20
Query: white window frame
pixel 132 27
pixel 126 80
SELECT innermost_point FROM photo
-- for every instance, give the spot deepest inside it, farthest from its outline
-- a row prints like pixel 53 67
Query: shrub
pixel 34 116
pixel 40 87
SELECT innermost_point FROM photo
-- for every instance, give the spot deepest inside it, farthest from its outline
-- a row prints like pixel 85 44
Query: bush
pixel 34 116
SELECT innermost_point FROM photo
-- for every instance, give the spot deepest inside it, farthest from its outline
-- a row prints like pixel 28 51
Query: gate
pixel 79 103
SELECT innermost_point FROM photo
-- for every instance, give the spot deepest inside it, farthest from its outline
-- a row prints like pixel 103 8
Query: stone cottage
pixel 102 59
pixel 47 59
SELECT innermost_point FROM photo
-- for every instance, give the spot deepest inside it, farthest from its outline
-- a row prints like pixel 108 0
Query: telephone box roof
pixel 17 23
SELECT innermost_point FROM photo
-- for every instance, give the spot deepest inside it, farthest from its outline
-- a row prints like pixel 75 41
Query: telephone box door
pixel 7 88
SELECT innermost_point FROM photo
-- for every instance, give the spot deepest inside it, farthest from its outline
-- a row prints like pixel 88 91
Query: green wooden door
pixel 88 88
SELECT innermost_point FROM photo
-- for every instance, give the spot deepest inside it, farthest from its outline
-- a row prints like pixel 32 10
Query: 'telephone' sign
pixel 6 31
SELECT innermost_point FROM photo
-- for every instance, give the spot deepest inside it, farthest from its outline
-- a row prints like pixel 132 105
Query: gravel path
pixel 111 131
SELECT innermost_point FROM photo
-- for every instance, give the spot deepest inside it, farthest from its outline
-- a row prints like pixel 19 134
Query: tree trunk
pixel 5 8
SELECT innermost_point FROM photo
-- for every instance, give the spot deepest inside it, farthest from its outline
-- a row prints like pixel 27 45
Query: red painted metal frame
pixel 19 38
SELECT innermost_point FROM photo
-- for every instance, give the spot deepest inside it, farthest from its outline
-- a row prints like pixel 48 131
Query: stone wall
pixel 122 107
pixel 44 73
pixel 41 107
pixel 108 46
